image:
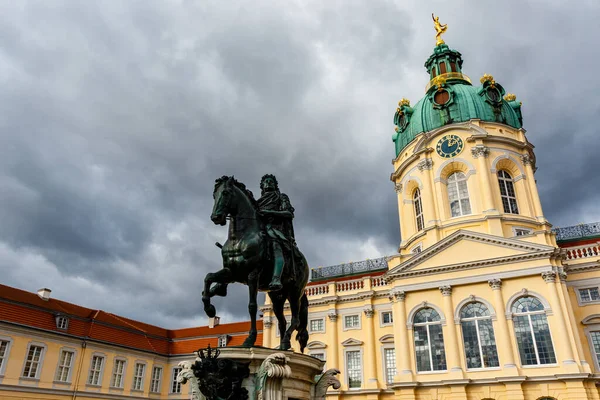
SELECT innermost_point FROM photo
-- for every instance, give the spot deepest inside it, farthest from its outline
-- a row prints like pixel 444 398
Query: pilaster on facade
pixel 425 164
pixel 495 283
pixel 333 316
pixel 446 290
pixel 549 276
pixel 480 151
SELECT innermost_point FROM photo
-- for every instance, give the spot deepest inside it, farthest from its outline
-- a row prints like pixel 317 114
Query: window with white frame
pixel 33 362
pixel 95 370
pixel 522 231
pixel 429 341
pixel 478 336
pixel 458 195
pixel 3 354
pixel 138 376
pixel 532 332
pixel 320 356
pixel 222 341
pixel 507 192
pixel 65 363
pixel 117 375
pixel 587 295
pixel 389 357
pixel 351 321
pixel 317 325
pixel 155 381
pixel 387 318
pixel 354 369
pixel 417 249
pixel 418 210
pixel 62 322
pixel 175 386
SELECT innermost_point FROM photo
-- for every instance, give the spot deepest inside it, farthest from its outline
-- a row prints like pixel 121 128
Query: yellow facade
pixel 489 257
pixel 46 384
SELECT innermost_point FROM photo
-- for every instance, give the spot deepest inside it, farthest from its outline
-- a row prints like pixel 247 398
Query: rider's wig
pixel 269 176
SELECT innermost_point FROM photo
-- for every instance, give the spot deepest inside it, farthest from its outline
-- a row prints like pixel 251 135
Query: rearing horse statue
pixel 247 259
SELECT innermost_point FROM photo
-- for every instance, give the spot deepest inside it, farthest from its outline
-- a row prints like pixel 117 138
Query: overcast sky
pixel 117 116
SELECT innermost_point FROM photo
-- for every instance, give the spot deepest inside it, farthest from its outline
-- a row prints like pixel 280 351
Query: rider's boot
pixel 276 284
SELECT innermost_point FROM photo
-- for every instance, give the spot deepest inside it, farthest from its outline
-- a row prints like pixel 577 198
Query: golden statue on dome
pixel 440 30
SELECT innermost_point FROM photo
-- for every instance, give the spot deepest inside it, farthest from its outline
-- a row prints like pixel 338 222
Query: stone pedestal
pixel 273 374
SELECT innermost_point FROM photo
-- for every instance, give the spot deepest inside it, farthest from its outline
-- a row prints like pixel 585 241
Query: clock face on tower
pixel 449 146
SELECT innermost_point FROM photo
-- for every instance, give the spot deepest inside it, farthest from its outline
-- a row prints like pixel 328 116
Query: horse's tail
pixel 302 334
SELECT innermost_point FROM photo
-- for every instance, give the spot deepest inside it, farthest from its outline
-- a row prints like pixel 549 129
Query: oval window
pixel 441 97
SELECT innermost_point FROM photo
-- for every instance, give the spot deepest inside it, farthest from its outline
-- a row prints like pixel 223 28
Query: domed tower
pixel 463 160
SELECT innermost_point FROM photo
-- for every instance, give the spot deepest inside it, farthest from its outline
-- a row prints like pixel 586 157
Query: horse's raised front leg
pixel 222 277
pixel 252 308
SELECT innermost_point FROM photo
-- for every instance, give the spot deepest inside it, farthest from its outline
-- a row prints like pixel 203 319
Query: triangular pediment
pixel 352 342
pixel 467 247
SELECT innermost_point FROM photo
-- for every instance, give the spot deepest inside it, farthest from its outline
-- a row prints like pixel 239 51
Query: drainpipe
pixel 76 388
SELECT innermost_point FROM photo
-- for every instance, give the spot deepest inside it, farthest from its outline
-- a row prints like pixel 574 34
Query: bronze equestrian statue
pixel 260 252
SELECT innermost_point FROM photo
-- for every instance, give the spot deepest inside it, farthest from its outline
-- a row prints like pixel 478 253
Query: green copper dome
pixel 450 98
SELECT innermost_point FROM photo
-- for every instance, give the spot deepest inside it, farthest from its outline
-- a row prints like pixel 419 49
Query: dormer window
pixel 62 322
pixel 223 341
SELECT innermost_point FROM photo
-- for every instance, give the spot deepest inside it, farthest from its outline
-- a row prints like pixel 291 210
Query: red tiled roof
pixel 28 309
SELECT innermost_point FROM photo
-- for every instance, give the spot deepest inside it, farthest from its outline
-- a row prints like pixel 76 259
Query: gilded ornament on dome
pixel 488 78
pixel 439 81
pixel 510 97
pixel 404 102
pixel 440 29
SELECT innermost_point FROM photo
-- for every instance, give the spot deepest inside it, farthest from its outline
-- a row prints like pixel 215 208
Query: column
pixel 370 361
pixel 481 153
pixel 332 341
pixel 404 371
pixel 267 324
pixel 568 309
pixel 562 343
pixel 502 333
pixel 450 338
pixel 535 196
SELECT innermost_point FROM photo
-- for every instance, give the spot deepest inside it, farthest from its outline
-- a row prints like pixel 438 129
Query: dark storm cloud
pixel 118 116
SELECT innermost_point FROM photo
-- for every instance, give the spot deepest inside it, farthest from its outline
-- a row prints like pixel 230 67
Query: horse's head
pixel 223 195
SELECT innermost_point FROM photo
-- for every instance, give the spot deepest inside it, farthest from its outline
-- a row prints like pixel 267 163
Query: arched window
pixel 507 192
pixel 458 194
pixel 478 336
pixel 418 210
pixel 532 331
pixel 429 341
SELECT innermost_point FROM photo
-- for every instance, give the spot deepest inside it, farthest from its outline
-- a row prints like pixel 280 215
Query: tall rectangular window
pixel 117 376
pixel 32 364
pixel 95 370
pixel 175 386
pixel 589 294
pixel 390 364
pixel 65 363
pixel 351 321
pixel 354 369
pixel 317 325
pixel 155 382
pixel 138 376
pixel 3 352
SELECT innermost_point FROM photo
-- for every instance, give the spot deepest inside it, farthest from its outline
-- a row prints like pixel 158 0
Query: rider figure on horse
pixel 277 213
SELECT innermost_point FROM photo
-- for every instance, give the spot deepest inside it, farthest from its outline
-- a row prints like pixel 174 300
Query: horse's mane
pixel 239 185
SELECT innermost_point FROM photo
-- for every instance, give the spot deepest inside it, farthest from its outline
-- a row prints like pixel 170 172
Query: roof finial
pixel 439 29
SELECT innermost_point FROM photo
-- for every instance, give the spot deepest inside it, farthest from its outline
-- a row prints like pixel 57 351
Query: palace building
pixel 51 349
pixel 484 300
